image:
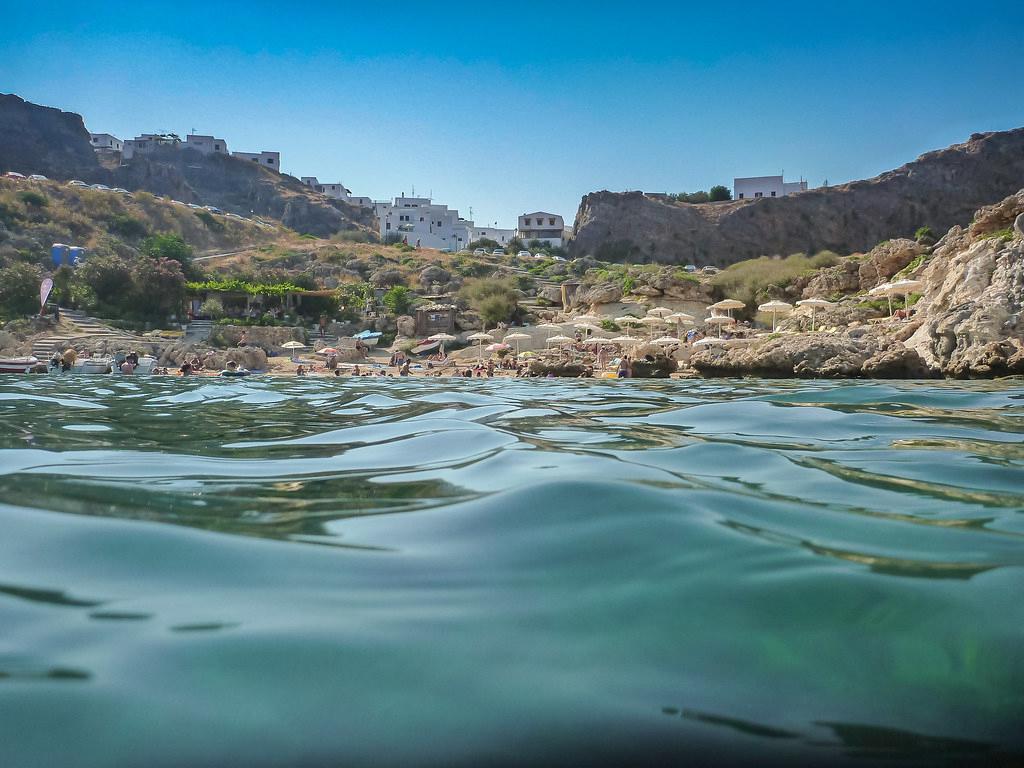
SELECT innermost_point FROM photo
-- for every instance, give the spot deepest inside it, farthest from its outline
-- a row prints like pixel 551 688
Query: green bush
pixel 495 299
pixel 924 233
pixel 212 308
pixel 1002 235
pixel 19 290
pixel 398 299
pixel 755 280
pixel 34 199
pixel 127 226
pixel 210 221
pixel 718 193
pixel 168 245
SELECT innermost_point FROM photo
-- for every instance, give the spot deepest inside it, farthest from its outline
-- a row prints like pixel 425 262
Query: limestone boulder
pixel 406 326
pixel 601 293
pixel 886 259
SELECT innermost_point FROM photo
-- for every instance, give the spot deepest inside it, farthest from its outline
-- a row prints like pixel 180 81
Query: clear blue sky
pixel 524 106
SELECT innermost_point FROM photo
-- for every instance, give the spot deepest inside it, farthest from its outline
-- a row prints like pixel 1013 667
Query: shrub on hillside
pixel 756 280
pixel 495 299
pixel 19 290
pixel 168 245
pixel 398 300
pixel 127 226
pixel 34 199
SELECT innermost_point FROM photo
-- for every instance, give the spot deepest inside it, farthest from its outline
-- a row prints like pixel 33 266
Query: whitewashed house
pixel 208 145
pixel 765 186
pixel 549 228
pixel 270 160
pixel 148 142
pixel 418 220
pixel 498 235
pixel 105 142
pixel 337 191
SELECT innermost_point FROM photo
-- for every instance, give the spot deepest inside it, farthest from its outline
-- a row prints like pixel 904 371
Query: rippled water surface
pixel 408 572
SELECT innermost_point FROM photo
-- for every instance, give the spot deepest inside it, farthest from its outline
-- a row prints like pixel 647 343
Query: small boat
pixel 93 365
pixel 369 338
pixel 425 346
pixel 18 364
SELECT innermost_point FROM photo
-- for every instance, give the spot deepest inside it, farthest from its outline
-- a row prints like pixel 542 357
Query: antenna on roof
pixel 414 190
pixel 193 131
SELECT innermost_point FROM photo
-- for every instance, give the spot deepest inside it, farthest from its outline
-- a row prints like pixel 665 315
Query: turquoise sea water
pixel 426 572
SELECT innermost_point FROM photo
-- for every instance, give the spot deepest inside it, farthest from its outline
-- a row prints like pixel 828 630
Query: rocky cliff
pixel 44 140
pixel 38 139
pixel 938 190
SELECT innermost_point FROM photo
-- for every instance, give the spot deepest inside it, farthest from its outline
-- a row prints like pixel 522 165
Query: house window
pixel 741 196
pixel 388 225
pixel 773 193
pixel 217 147
pixel 526 222
pixel 270 161
pixel 759 194
pixel 421 218
pixel 551 222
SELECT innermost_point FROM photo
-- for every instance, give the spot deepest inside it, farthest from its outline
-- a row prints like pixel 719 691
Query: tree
pixel 168 245
pixel 108 277
pixel 718 194
pixel 398 300
pixel 484 242
pixel 19 290
pixel 496 300
pixel 158 289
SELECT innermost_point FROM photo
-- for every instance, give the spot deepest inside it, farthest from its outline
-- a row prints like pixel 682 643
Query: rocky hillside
pixel 967 323
pixel 938 190
pixel 43 140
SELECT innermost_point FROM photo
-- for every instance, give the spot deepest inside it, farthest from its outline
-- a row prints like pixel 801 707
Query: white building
pixel 418 220
pixel 147 142
pixel 208 145
pixel 270 160
pixel 765 186
pixel 105 142
pixel 547 227
pixel 338 191
pixel 500 236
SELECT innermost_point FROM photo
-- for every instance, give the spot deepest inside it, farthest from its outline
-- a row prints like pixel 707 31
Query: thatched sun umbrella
pixel 775 307
pixel 815 304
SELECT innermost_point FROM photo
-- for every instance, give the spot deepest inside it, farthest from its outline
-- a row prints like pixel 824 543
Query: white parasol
pixel 774 307
pixel 815 304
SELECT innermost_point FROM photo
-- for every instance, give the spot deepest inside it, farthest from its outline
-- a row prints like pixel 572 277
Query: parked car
pixel 498 252
pixel 523 254
pixel 690 268
pixel 711 270
pixel 177 202
pixel 212 209
pixel 121 191
pixel 37 177
pixel 558 258
pixel 195 207
pixel 101 187
pixel 77 183
pixel 14 175
pixel 540 255
pixel 480 252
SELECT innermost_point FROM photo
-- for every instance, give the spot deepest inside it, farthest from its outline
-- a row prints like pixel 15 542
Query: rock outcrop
pixel 44 140
pixel 813 355
pixel 938 190
pixel 970 310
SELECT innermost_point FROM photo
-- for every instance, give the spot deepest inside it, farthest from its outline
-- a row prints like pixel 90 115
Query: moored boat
pixel 24 364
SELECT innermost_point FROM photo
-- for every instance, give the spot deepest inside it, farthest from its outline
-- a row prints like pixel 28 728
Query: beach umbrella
pixel 815 304
pixel 442 337
pixel 624 340
pixel 293 345
pixel 549 327
pixel 327 351
pixel 664 340
pixel 651 321
pixel 587 319
pixel 480 338
pixel 558 340
pixel 708 341
pixel 679 318
pixel 517 337
pixel 904 288
pixel 498 347
pixel 659 312
pixel 627 322
pixel 728 305
pixel 719 320
pixel 586 327
pixel 885 289
pixel 775 306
